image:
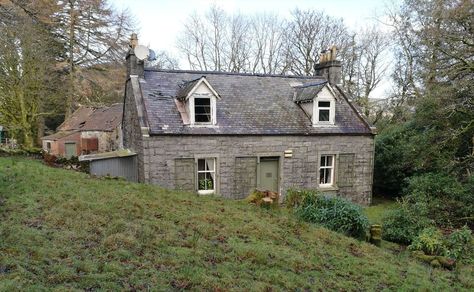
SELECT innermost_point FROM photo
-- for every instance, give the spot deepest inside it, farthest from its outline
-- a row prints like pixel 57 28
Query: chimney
pixel 134 65
pixel 328 67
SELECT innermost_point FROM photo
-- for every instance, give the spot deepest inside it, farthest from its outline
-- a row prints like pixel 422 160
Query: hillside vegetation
pixel 65 230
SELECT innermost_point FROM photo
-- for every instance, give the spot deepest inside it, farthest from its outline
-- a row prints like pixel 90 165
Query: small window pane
pixel 321 176
pixel 201 164
pixel 323 160
pixel 210 164
pixel 323 115
pixel 324 104
pixel 328 175
pixel 329 160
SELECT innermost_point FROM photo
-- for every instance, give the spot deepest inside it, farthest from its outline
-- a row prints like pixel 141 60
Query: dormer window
pixel 202 110
pixel 324 111
pixel 199 103
pixel 318 101
pixel 324 108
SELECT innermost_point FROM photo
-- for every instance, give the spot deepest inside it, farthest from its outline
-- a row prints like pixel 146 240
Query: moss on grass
pixel 64 230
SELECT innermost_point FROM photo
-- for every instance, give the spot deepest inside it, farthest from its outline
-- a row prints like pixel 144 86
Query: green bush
pixel 457 246
pixel 294 198
pixel 333 213
pixel 393 159
pixel 404 223
pixel 430 241
pixel 460 244
pixel 445 200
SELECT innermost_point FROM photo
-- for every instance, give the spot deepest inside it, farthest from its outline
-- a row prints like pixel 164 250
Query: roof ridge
pixel 311 84
pixel 234 73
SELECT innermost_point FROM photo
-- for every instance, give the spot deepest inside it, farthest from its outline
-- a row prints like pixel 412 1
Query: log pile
pixel 263 198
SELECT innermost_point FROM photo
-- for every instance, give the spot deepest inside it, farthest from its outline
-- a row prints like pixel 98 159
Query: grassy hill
pixel 64 230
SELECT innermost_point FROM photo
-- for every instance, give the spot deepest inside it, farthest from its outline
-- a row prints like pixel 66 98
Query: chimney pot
pixel 134 65
pixel 328 67
pixel 133 41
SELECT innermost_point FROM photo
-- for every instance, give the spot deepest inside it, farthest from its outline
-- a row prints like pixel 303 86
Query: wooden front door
pixel 269 175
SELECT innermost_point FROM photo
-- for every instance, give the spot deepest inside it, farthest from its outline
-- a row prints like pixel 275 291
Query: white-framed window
pixel 324 112
pixel 202 110
pixel 326 170
pixel 206 176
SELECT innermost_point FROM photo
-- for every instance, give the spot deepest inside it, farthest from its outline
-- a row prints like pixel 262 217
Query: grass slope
pixel 378 209
pixel 64 230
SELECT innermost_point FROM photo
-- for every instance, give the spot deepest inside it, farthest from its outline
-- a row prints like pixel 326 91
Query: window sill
pixel 203 126
pixel 206 192
pixel 324 188
pixel 324 125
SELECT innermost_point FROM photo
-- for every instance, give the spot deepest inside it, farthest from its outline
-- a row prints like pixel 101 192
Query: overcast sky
pixel 160 21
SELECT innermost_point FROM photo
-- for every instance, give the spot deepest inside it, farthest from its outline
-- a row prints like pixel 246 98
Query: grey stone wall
pixel 132 137
pixel 167 161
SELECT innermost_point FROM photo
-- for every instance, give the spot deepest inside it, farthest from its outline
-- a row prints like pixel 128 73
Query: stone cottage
pixel 88 130
pixel 229 133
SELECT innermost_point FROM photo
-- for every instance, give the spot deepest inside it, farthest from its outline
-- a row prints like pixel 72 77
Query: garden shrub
pixel 445 200
pixel 456 247
pixel 404 223
pixel 430 241
pixel 334 213
pixel 460 244
pixel 294 198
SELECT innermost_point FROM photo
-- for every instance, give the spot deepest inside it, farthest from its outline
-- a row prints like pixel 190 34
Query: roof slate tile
pixel 249 105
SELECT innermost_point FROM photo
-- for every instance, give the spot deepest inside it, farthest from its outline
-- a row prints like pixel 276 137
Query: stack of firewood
pixel 263 198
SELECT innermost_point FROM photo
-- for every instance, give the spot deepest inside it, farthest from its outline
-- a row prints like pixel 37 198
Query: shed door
pixel 269 173
pixel 70 149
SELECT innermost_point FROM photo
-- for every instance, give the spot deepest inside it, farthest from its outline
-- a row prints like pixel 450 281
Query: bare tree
pixel 216 34
pixel 268 52
pixel 193 43
pixel 405 50
pixel 309 32
pixel 239 47
pixel 266 43
pixel 163 60
pixel 365 65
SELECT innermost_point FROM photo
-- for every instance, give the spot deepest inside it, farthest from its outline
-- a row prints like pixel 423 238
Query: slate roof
pixel 249 105
pixel 94 119
pixel 308 91
pixel 185 87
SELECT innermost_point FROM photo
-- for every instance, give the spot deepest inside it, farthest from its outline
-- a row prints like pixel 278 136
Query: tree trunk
pixel 70 94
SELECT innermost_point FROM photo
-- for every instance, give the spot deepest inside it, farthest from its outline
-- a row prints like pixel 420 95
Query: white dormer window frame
pixel 192 110
pixel 191 104
pixel 322 106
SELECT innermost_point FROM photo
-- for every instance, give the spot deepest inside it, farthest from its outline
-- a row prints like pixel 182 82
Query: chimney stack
pixel 134 65
pixel 328 67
